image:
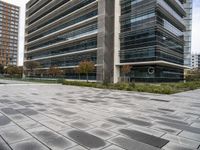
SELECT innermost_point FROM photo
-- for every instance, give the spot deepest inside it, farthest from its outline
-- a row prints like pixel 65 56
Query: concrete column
pixel 105 53
pixel 117 28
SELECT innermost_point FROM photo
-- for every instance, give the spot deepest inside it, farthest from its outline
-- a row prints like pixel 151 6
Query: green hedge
pixel 164 88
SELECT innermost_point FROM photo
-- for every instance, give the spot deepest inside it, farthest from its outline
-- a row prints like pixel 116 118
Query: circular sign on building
pixel 151 70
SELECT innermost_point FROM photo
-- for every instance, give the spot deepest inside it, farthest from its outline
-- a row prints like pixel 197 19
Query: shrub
pixel 121 86
pixel 61 81
pixel 164 88
pixel 132 84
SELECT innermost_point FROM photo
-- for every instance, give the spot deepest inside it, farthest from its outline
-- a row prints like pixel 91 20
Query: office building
pixel 195 59
pixel 147 35
pixel 9 27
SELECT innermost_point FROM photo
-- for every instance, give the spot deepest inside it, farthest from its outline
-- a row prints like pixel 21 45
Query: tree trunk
pixel 87 77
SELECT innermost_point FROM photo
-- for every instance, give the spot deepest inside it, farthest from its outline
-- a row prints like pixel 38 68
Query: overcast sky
pixel 195 27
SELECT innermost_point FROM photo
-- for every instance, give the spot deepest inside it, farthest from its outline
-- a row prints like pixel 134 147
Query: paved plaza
pixel 57 117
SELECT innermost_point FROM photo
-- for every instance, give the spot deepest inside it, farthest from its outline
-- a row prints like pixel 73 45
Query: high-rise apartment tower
pixel 9 27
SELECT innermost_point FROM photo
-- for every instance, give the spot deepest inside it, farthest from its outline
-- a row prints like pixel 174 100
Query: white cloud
pixel 196 27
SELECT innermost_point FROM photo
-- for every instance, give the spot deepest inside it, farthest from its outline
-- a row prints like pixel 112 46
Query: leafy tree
pixel 54 71
pixel 13 70
pixel 40 72
pixel 125 70
pixel 31 66
pixel 1 69
pixel 19 71
pixel 86 67
pixel 78 71
pixel 193 74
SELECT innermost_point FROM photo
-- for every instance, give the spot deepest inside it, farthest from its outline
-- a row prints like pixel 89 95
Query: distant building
pixel 9 27
pixel 195 61
pixel 148 35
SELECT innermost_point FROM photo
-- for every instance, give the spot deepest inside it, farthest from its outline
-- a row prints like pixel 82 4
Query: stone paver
pixel 30 144
pixel 3 145
pixel 41 117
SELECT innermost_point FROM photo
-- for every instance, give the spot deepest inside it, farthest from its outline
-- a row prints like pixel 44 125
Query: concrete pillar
pixel 117 41
pixel 105 53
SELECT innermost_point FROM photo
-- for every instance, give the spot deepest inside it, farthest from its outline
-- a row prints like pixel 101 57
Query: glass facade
pixel 155 73
pixel 66 36
pixel 149 32
pixel 69 48
pixel 66 43
pixel 64 25
pixel 57 16
pixel 68 61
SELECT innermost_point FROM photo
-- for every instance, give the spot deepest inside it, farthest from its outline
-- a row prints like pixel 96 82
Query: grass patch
pixel 164 88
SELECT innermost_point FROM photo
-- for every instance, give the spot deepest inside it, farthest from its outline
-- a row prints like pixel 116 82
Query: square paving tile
pixel 82 125
pixel 51 138
pixel 78 148
pixel 113 147
pixel 54 125
pixel 3 145
pixel 30 144
pixel 144 138
pixel 104 125
pixel 30 124
pixel 77 118
pixel 19 118
pixel 13 134
pixel 9 111
pixel 182 141
pixel 129 144
pixel 190 135
pixel 166 129
pixel 104 134
pixel 5 121
pixel 87 140
pixel 173 146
